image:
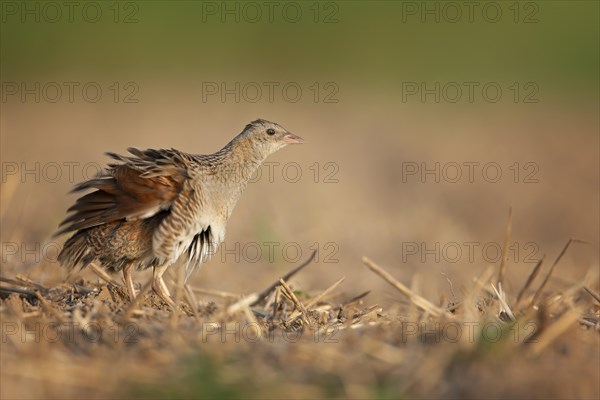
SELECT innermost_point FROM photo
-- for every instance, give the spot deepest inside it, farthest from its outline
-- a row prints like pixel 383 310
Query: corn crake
pixel 153 206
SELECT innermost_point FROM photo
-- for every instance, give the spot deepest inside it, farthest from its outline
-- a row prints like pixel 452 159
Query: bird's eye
pixel 270 131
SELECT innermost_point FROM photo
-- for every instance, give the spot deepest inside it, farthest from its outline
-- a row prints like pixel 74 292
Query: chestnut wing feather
pixel 138 186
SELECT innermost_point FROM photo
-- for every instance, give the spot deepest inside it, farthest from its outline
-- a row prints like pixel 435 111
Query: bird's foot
pixel 160 288
pixel 129 283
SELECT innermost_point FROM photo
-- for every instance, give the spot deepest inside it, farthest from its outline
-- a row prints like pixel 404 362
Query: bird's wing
pixel 178 229
pixel 137 186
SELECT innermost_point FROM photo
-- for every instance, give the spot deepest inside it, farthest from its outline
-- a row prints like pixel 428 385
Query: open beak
pixel 290 138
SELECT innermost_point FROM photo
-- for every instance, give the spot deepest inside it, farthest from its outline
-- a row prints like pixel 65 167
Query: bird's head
pixel 267 137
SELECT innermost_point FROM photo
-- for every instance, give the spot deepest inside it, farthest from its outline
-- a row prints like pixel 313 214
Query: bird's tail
pixel 76 251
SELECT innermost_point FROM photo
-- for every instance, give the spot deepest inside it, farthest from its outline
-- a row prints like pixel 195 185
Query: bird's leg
pixel 159 286
pixel 129 281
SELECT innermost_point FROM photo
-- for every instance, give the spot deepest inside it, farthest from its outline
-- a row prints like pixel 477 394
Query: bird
pixel 152 207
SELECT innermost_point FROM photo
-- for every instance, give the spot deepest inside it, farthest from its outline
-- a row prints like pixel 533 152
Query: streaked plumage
pixel 153 206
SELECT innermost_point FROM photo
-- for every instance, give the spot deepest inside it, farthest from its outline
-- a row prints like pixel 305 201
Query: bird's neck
pixel 242 158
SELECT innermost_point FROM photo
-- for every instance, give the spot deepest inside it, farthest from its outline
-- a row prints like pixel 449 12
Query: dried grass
pixel 282 342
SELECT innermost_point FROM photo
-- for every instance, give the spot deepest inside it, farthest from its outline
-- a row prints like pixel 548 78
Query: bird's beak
pixel 290 138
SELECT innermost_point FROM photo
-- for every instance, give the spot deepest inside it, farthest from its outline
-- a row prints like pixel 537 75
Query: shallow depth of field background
pixel 360 125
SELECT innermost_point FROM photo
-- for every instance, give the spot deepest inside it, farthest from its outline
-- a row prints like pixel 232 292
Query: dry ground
pixel 84 339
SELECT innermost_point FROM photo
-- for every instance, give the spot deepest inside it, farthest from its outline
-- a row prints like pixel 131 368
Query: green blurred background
pixel 373 45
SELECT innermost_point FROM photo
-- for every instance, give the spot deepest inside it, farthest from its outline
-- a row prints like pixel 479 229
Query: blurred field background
pixel 362 56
